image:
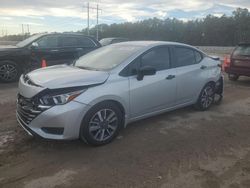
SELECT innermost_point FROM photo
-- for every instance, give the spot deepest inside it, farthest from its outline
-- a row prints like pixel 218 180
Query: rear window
pixel 242 51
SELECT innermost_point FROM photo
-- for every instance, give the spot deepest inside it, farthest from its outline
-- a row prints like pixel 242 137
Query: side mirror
pixel 145 71
pixel 34 45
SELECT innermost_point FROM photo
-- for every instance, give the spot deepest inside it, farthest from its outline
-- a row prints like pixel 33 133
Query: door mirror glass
pixel 145 71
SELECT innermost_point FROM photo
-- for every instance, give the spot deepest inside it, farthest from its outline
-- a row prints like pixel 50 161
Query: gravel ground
pixel 184 148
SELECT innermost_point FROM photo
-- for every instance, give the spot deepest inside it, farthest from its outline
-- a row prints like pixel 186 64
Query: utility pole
pixel 88 16
pixel 97 18
pixel 28 28
pixel 22 30
pixel 97 22
pixel 3 31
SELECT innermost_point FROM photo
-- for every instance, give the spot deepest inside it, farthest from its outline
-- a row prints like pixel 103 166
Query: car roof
pixel 150 43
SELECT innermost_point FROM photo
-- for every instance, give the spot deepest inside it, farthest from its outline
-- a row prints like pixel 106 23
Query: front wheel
pixel 9 72
pixel 206 97
pixel 101 124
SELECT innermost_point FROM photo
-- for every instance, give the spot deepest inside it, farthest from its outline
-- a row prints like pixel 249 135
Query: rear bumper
pixel 238 71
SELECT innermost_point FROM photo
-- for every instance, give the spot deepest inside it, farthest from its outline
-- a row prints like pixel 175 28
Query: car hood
pixel 63 76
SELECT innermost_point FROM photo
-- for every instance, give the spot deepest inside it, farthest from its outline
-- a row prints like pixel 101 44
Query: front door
pixel 48 49
pixel 155 92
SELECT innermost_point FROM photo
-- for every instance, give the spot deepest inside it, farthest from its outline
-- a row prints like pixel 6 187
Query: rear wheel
pixel 233 77
pixel 101 124
pixel 9 71
pixel 206 97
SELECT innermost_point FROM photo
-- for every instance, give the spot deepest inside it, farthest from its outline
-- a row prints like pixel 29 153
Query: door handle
pixel 170 77
pixel 54 50
pixel 79 49
pixel 203 67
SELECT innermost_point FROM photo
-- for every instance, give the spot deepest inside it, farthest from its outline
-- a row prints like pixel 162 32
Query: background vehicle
pixel 115 85
pixel 54 48
pixel 108 41
pixel 238 63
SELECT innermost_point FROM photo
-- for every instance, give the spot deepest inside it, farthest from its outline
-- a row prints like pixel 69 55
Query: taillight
pixel 227 61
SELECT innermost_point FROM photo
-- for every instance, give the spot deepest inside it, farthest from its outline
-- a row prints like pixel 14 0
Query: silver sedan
pixel 113 86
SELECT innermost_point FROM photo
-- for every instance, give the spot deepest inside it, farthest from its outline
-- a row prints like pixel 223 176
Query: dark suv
pixel 238 63
pixel 49 49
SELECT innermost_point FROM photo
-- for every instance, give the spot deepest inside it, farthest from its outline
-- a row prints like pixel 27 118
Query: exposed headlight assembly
pixel 59 99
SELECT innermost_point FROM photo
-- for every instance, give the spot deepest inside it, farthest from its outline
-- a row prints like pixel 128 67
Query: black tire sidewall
pixel 84 130
pixel 198 105
pixel 233 77
pixel 17 68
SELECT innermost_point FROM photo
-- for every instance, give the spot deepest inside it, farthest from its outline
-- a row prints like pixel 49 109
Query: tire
pixel 99 129
pixel 206 97
pixel 233 77
pixel 9 72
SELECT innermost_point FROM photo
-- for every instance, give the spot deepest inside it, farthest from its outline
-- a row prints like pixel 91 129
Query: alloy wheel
pixel 207 97
pixel 103 124
pixel 8 72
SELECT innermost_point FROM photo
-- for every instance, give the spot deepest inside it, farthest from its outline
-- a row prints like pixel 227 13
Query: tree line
pixel 209 31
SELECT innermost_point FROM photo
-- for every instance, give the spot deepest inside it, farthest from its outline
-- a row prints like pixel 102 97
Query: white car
pixel 113 86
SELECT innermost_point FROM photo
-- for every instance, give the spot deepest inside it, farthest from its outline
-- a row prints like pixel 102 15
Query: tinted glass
pixel 184 56
pixel 158 58
pixel 106 58
pixel 198 56
pixel 48 42
pixel 242 51
pixel 85 42
pixel 105 41
pixel 69 41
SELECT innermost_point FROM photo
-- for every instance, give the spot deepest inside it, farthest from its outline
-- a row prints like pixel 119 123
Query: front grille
pixel 27 110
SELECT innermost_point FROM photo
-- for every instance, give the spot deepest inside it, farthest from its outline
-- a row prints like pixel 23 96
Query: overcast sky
pixel 70 15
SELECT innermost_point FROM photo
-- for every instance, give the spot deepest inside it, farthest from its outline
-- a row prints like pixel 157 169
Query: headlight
pixel 60 99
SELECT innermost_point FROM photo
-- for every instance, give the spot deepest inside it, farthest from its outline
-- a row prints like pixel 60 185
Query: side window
pixel 131 69
pixel 184 56
pixel 159 58
pixel 85 42
pixel 48 42
pixel 69 41
pixel 198 56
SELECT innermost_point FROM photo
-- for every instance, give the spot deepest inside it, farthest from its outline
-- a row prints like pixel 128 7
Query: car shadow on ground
pixel 243 81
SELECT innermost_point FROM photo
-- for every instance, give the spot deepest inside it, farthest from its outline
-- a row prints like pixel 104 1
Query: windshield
pixel 243 50
pixel 106 58
pixel 28 41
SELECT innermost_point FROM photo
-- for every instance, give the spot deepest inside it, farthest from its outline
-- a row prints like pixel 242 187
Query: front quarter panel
pixel 116 89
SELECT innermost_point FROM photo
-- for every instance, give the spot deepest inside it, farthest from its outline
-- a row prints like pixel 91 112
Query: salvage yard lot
pixel 184 148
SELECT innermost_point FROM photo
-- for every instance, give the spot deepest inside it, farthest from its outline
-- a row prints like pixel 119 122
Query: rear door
pixel 85 45
pixel 241 57
pixel 191 73
pixel 74 46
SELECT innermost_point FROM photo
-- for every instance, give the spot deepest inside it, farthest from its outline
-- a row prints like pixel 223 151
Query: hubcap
pixel 103 124
pixel 207 97
pixel 8 72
